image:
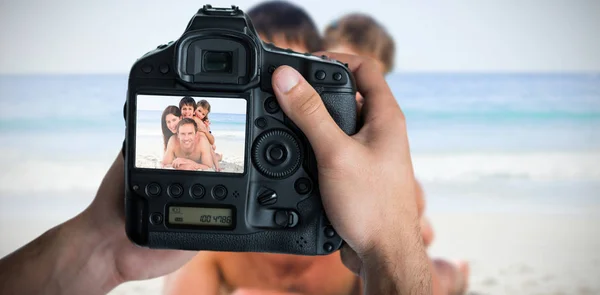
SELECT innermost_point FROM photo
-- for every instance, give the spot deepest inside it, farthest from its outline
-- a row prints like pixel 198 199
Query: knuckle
pixel 401 119
pixel 401 116
pixel 309 105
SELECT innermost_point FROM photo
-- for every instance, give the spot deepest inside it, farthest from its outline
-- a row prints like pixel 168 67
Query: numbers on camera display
pixel 215 219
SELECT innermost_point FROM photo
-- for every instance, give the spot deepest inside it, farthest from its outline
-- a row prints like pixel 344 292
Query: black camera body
pixel 271 203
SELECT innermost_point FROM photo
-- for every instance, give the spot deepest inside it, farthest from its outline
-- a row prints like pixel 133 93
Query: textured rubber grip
pixel 342 107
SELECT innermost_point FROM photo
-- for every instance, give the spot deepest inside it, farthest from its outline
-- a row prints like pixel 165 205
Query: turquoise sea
pixel 480 142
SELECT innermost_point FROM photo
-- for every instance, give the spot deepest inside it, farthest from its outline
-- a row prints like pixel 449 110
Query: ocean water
pixel 508 142
pixel 231 126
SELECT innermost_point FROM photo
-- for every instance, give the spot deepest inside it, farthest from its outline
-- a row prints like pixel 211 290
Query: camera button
pixel 153 189
pixel 320 75
pixel 267 197
pixel 197 191
pixel 219 192
pixel 271 105
pixel 337 76
pixel 271 69
pixel 329 232
pixel 303 186
pixel 156 218
pixel 285 218
pixel 281 218
pixel 175 190
pixel 147 68
pixel 260 123
pixel 164 68
pixel 276 154
pixel 328 247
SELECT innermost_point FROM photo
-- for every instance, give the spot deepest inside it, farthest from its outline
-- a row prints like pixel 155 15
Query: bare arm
pixel 169 155
pixel 67 259
pixel 199 276
pixel 204 130
pixel 397 268
pixel 198 166
pixel 89 254
pixel 187 164
pixel 215 159
pixel 210 137
pixel 206 157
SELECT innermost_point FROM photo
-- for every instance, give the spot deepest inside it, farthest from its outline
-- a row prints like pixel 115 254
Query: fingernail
pixel 286 79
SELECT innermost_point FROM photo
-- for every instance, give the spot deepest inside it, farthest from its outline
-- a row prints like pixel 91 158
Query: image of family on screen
pixel 187 138
pixel 175 132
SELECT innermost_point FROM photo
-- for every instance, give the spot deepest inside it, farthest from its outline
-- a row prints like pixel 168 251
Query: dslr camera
pixel 211 161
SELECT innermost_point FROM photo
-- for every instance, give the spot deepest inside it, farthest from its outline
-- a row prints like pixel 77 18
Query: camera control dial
pixel 276 154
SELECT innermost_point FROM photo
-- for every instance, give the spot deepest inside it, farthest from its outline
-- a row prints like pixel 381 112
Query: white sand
pixel 509 253
pixel 154 161
pixel 523 254
pixel 149 154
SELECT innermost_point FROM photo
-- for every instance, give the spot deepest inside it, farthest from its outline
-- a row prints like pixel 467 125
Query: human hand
pixel 180 162
pixel 119 257
pixel 203 127
pixel 366 180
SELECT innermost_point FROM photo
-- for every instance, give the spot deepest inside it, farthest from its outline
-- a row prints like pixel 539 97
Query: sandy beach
pixel 153 161
pixel 509 253
pixel 149 154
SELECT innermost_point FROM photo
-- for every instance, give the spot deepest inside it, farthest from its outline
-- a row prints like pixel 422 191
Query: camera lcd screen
pixel 190 133
pixel 201 216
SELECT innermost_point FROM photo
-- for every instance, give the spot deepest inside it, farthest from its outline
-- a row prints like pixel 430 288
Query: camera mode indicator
pixel 201 216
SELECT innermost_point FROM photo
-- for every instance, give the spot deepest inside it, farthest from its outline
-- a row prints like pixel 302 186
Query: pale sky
pixel 217 105
pixel 75 36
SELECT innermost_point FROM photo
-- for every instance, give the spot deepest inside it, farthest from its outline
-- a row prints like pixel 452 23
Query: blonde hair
pixel 363 34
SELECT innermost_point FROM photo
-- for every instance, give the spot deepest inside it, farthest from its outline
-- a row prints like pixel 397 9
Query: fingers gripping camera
pixel 212 163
